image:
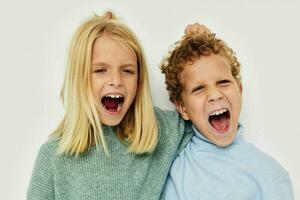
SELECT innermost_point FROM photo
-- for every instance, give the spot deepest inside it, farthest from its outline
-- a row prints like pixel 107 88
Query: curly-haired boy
pixel 202 75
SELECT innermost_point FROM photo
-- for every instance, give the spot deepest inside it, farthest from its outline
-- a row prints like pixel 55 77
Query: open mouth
pixel 220 120
pixel 112 103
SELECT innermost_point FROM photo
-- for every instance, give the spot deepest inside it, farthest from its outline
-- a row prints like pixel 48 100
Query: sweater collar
pixel 108 129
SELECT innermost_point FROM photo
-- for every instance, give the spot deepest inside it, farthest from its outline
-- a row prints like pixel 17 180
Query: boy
pixel 203 79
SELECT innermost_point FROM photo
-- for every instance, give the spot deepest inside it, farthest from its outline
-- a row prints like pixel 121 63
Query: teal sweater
pixel 95 176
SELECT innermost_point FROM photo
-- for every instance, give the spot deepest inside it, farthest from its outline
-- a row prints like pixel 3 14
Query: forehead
pixel 108 49
pixel 206 68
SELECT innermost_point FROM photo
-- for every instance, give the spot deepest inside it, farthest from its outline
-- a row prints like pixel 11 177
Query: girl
pixel 111 144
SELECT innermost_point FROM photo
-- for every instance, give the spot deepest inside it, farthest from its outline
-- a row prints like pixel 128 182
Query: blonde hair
pixel 81 128
pixel 190 48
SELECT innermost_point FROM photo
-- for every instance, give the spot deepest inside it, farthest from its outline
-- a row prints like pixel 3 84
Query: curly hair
pixel 186 51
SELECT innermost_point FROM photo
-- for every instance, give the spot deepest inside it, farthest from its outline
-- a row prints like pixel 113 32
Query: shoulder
pixel 49 147
pixel 249 154
pixel 267 164
pixel 42 179
pixel 47 153
pixel 273 174
pixel 165 114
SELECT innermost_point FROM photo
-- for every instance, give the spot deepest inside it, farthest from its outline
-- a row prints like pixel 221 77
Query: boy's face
pixel 211 98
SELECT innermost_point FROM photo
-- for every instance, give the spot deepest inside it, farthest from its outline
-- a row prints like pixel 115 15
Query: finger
pixel 108 15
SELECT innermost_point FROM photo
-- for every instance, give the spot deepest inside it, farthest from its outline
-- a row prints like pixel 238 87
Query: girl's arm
pixel 41 185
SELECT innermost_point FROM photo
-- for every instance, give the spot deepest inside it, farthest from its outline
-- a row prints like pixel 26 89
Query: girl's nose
pixel 115 80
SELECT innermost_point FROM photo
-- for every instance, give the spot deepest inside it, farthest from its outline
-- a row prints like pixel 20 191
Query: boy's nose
pixel 214 95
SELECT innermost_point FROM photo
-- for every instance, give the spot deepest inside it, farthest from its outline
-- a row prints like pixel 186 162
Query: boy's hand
pixel 196 28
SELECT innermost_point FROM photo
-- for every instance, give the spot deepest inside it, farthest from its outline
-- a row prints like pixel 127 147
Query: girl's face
pixel 114 78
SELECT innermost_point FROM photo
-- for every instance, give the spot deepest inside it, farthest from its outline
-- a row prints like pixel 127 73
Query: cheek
pixel 136 82
pixel 195 110
pixel 233 94
pixel 93 85
pixel 131 86
pixel 239 101
pixel 238 96
pixel 195 106
pixel 135 89
pixel 96 85
pixel 236 101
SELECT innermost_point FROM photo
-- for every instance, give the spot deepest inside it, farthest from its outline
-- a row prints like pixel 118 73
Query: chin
pixel 224 141
pixel 223 144
pixel 110 122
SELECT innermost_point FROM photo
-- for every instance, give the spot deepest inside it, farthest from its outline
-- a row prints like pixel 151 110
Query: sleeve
pixel 170 124
pixel 285 189
pixel 173 129
pixel 187 136
pixel 41 186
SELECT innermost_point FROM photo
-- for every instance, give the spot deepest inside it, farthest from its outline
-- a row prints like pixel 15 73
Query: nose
pixel 115 79
pixel 214 94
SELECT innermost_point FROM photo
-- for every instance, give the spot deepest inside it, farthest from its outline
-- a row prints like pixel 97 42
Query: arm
pixel 41 185
pixel 284 190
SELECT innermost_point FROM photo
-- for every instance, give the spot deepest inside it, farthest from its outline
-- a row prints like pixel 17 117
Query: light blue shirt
pixel 237 172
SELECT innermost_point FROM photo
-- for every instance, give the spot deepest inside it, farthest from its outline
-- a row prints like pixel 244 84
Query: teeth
pixel 218 112
pixel 113 96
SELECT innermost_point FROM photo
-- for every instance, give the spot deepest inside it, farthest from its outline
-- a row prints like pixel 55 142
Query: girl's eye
pixel 129 71
pixel 100 70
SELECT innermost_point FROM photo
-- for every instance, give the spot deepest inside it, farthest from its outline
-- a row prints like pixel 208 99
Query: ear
pixel 181 109
pixel 241 87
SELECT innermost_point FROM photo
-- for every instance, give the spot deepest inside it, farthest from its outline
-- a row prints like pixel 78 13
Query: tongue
pixel 110 104
pixel 219 123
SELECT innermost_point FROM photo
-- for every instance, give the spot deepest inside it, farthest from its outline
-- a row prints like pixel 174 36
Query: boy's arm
pixel 284 189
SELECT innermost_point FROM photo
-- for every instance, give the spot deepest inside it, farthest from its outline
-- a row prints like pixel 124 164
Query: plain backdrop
pixel 34 40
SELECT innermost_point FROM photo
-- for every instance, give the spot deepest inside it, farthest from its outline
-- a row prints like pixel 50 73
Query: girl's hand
pixel 196 28
pixel 108 15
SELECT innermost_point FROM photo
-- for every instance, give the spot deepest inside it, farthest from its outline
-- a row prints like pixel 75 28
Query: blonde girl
pixel 111 143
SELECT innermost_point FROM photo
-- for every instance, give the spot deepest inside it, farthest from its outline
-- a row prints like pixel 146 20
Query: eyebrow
pixel 107 65
pixel 100 64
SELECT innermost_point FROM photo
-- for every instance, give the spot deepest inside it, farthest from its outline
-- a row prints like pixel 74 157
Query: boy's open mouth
pixel 112 103
pixel 220 120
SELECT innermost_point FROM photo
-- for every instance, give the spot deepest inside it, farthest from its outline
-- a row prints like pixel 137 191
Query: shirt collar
pixel 200 136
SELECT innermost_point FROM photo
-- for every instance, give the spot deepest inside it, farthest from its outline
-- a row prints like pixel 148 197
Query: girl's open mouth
pixel 112 103
pixel 220 120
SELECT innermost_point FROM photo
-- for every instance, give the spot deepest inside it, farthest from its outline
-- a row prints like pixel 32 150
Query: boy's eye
pixel 197 88
pixel 224 82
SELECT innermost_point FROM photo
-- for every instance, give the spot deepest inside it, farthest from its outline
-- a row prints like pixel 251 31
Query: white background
pixel 34 39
